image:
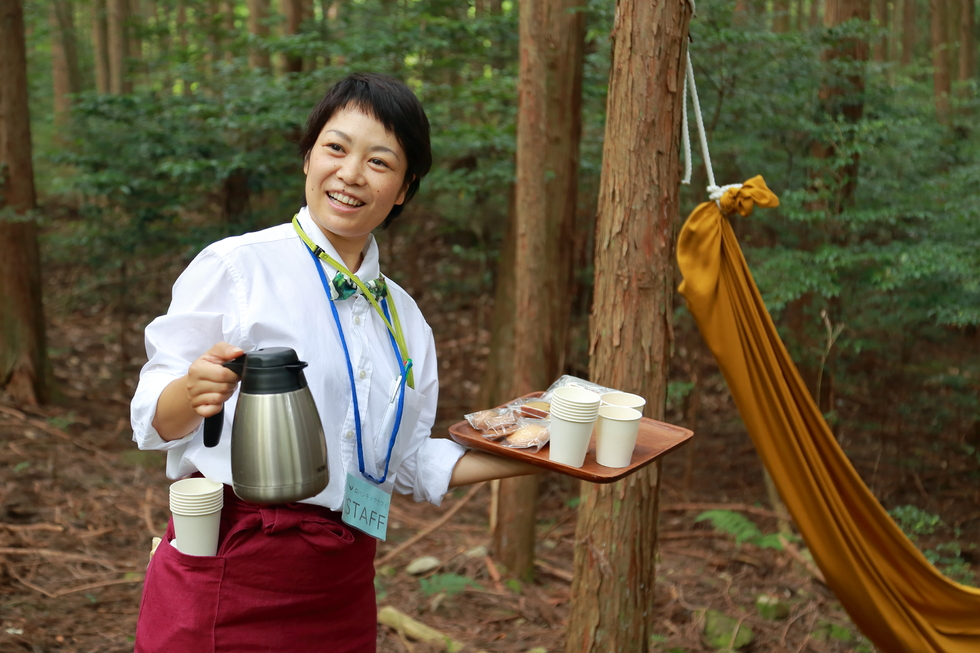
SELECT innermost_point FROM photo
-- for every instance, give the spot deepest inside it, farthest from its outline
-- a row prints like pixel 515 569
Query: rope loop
pixel 715 192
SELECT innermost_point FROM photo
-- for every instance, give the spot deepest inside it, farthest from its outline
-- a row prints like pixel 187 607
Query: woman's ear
pixel 306 164
pixel 401 195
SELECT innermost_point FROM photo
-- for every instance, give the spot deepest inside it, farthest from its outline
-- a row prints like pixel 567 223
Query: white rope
pixel 685 135
pixel 715 192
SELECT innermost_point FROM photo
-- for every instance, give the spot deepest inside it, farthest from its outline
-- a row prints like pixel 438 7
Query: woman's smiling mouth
pixel 345 199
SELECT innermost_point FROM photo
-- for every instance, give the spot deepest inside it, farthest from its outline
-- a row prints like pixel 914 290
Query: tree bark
pixel 23 352
pixel 909 35
pixel 630 332
pixel 65 75
pixel 880 49
pixel 815 18
pixel 117 16
pixel 780 16
pixel 549 126
pixel 100 46
pixel 293 11
pixel 258 12
pixel 228 15
pixel 967 69
pixel 941 82
pixel 134 47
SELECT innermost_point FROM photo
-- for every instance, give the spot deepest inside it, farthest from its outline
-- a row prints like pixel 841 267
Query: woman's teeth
pixel 344 199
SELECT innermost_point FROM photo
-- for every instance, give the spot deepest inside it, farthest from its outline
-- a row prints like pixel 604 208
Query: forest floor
pixel 79 505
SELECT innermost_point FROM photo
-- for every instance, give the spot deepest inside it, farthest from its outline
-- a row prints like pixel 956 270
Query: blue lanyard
pixel 403 377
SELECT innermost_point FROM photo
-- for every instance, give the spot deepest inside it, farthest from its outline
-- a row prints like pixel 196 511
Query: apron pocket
pixel 180 602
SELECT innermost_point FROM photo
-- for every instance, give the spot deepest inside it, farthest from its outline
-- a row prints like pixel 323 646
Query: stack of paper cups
pixel 196 507
pixel 573 413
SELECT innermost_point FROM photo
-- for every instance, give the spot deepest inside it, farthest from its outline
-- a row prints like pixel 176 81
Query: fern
pixel 448 584
pixel 741 528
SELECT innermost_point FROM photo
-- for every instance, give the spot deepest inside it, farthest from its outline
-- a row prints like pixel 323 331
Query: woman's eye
pixel 334 147
pixel 379 162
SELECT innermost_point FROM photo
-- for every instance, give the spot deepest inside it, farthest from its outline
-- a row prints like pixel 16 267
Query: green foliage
pixel 448 584
pixel 677 391
pixel 945 556
pixel 741 528
pixel 877 221
pixel 914 521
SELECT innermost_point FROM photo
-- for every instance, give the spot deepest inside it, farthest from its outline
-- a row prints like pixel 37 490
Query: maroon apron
pixel 290 578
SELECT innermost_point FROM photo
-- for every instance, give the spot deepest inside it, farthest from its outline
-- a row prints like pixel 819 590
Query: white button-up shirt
pixel 262 290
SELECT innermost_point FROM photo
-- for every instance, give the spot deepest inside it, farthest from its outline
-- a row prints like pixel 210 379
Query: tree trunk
pixel 909 35
pixel 23 352
pixel 549 126
pixel 630 332
pixel 880 50
pixel 215 41
pixel 968 42
pixel 65 75
pixel 941 83
pixel 258 12
pixel 228 14
pixel 183 28
pixel 292 10
pixel 117 16
pixel 815 18
pixel 780 16
pixel 134 47
pixel 847 99
pixel 100 46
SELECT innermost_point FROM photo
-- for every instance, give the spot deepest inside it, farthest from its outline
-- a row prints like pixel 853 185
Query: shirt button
pixel 362 374
pixel 349 435
pixel 357 319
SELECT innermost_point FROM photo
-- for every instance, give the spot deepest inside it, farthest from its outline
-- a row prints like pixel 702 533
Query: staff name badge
pixel 366 507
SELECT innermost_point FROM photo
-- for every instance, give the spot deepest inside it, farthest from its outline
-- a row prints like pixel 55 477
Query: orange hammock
pixel 892 593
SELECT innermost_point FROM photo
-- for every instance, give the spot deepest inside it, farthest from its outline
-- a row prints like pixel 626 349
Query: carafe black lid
pixel 271 370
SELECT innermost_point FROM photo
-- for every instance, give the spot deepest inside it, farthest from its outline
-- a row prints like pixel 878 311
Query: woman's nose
pixel 350 172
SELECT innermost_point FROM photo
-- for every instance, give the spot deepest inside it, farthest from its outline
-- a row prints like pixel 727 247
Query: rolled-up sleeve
pixel 425 474
pixel 205 310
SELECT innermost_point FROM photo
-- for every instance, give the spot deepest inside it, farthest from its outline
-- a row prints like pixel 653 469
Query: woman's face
pixel 355 174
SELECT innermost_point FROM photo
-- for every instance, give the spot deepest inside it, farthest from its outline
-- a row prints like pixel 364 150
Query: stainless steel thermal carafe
pixel 278 452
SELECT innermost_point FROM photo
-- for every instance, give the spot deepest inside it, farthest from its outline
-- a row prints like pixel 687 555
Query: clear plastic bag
pixel 530 434
pixel 494 423
pixel 531 407
pixel 568 380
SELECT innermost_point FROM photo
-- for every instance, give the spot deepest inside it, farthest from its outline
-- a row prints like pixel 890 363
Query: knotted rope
pixel 715 192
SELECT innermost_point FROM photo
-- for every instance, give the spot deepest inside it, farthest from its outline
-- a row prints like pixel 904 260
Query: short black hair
pixel 395 106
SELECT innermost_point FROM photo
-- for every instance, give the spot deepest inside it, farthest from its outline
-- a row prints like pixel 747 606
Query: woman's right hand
pixel 209 385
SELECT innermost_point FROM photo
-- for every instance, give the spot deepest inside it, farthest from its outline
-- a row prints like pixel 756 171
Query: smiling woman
pixel 355 175
pixel 291 577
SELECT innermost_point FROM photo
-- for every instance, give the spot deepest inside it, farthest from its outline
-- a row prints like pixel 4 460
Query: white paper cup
pixel 196 488
pixel 623 399
pixel 571 396
pixel 615 435
pixel 575 416
pixel 195 504
pixel 198 534
pixel 569 441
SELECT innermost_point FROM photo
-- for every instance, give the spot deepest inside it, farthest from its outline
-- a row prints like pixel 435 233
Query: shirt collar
pixel 370 265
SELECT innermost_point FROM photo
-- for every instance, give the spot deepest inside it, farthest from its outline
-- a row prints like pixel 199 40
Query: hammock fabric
pixel 892 593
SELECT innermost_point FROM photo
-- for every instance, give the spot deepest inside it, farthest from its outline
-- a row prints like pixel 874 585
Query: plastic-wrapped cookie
pixel 536 409
pixel 527 436
pixel 494 423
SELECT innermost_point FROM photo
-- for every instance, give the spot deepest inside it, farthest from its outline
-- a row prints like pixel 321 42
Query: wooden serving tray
pixel 653 440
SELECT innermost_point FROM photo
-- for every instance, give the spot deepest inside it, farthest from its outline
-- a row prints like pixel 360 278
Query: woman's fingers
pixel 209 385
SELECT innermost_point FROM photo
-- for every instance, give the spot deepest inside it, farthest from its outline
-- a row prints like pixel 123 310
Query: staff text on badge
pixel 366 507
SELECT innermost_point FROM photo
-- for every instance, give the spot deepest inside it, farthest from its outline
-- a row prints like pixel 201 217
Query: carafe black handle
pixel 215 424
